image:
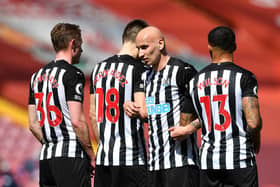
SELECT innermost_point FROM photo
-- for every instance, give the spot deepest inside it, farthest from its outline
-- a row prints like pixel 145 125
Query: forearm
pixel 37 132
pixel 254 121
pixel 92 117
pixel 94 128
pixel 189 119
pixel 140 103
pixel 34 124
pixel 82 132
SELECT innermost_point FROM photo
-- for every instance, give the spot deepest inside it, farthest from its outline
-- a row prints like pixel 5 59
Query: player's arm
pixel 34 124
pixel 80 127
pixel 140 103
pixel 252 114
pixel 92 117
pixel 137 108
pixel 188 120
pixel 74 82
pixel 188 125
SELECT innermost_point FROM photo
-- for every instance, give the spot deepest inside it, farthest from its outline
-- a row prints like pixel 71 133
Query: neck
pixel 220 58
pixel 129 48
pixel 162 62
pixel 63 55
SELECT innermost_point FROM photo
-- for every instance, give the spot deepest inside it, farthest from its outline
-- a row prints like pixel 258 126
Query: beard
pixel 76 58
pixel 211 54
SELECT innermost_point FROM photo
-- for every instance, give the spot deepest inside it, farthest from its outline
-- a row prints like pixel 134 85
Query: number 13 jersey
pixel 114 81
pixel 217 93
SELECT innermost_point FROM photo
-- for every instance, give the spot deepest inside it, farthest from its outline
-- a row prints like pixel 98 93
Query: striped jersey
pixel 50 89
pixel 217 93
pixel 166 98
pixel 114 81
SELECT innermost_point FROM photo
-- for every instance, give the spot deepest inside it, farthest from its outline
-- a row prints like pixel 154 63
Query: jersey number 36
pixel 49 108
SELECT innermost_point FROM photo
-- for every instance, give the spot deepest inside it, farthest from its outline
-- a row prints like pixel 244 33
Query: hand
pixel 131 109
pixel 179 132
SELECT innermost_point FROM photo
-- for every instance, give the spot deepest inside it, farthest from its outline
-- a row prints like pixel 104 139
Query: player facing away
pixel 56 114
pixel 171 163
pixel 226 101
pixel 121 156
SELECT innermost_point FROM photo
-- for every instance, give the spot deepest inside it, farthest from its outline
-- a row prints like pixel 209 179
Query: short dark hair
pixel 63 33
pixel 132 28
pixel 223 38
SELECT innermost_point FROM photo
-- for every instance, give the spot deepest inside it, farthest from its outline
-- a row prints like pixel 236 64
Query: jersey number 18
pixel 110 104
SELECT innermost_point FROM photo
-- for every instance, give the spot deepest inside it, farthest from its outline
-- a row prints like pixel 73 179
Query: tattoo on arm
pixel 254 121
pixel 252 112
pixel 189 119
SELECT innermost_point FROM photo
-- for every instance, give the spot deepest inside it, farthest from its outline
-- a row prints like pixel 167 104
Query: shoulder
pixel 243 71
pixel 110 59
pixel 74 72
pixel 182 64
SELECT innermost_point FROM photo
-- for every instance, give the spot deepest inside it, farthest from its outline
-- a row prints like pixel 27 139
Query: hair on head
pixel 223 38
pixel 132 28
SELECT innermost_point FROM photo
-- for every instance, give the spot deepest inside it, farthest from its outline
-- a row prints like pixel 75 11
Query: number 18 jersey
pixel 114 81
pixel 217 93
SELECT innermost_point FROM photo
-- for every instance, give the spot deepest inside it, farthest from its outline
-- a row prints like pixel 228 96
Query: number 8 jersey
pixel 114 81
pixel 50 89
pixel 217 93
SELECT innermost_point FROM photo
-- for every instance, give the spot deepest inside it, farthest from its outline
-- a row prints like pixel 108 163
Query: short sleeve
pixel 31 100
pixel 92 83
pixel 74 82
pixel 139 75
pixel 249 85
pixel 185 74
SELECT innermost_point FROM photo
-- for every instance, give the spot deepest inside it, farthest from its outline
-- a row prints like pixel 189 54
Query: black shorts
pixel 60 172
pixel 186 176
pixel 120 176
pixel 243 177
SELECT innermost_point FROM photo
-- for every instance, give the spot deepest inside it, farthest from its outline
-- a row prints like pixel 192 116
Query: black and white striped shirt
pixel 114 81
pixel 50 89
pixel 165 99
pixel 217 93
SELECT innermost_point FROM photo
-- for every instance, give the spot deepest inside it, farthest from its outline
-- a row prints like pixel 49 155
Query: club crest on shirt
pixel 79 88
pixel 166 82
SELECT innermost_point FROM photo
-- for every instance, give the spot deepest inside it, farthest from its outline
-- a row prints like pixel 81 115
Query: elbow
pixel 255 125
pixel 76 124
pixel 92 119
pixel 32 127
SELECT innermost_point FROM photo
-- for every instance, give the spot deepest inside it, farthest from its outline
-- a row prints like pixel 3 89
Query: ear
pixel 161 44
pixel 210 47
pixel 72 45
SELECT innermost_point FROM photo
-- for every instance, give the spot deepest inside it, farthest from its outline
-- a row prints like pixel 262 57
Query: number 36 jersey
pixel 217 93
pixel 50 89
pixel 114 81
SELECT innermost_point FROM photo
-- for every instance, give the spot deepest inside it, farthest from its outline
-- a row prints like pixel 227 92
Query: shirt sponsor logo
pixel 156 108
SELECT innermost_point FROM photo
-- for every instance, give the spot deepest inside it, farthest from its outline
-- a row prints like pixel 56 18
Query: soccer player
pixel 171 163
pixel 226 101
pixel 56 116
pixel 121 156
